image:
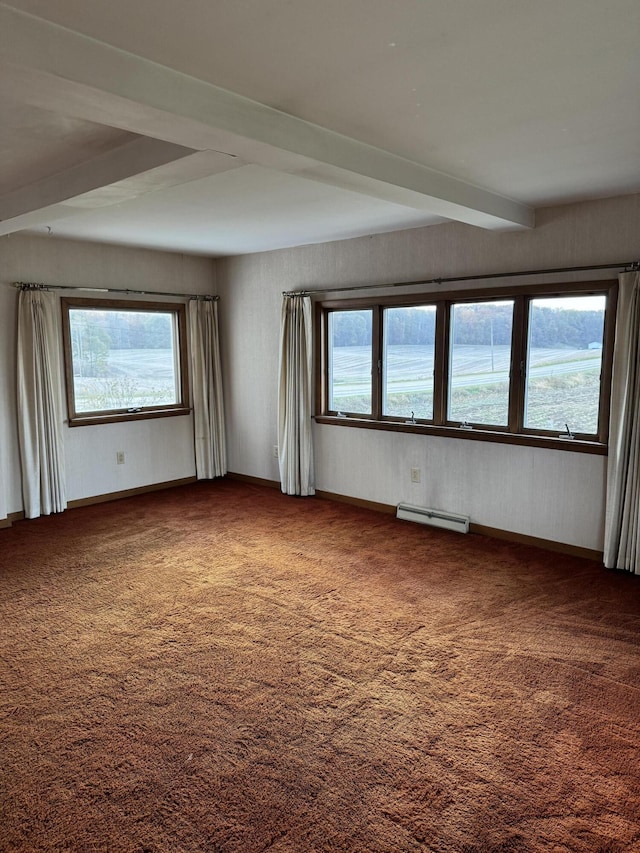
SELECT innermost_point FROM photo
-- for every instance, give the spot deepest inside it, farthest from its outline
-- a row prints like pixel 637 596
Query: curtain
pixel 40 404
pixel 206 374
pixel 295 448
pixel 622 529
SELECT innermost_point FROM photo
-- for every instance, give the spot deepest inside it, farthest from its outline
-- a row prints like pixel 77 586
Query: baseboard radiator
pixel 434 517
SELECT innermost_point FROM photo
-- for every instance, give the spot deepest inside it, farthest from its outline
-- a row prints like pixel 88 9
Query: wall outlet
pixel 120 457
pixel 276 452
pixel 415 475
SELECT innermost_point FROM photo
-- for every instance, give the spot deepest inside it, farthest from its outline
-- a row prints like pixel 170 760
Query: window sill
pixel 125 417
pixel 575 445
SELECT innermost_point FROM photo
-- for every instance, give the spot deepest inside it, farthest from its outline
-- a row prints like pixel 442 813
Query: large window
pixel 123 360
pixel 530 365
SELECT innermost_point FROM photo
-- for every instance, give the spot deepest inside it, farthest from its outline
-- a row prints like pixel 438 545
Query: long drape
pixel 40 404
pixel 622 524
pixel 206 374
pixel 295 397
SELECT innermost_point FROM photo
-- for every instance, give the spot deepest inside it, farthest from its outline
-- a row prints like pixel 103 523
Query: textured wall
pixel 549 494
pixel 156 450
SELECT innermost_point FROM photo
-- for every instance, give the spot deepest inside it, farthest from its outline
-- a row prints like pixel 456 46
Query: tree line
pixel 125 329
pixel 480 324
pixel 94 334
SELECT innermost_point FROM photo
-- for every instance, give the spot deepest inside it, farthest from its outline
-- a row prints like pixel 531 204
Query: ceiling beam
pixel 55 68
pixel 136 168
pixel 107 168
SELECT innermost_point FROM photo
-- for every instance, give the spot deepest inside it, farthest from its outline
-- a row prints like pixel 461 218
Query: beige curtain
pixel 40 404
pixel 295 397
pixel 206 376
pixel 622 524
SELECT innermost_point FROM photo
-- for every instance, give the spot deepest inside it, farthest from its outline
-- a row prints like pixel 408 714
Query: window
pixel 123 360
pixel 529 366
pixel 480 362
pixel 350 361
pixel 408 361
pixel 564 363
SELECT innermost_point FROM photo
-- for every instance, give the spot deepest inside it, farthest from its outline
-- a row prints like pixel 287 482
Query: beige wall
pixel 156 450
pixel 549 494
pixel 554 495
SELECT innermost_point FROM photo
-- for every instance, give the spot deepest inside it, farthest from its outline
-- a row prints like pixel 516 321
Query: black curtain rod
pixel 625 265
pixel 24 285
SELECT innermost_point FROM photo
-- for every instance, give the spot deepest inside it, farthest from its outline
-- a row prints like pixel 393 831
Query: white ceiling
pixel 221 127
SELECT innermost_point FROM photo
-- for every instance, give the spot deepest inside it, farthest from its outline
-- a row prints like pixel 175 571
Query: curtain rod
pixel 26 285
pixel 626 265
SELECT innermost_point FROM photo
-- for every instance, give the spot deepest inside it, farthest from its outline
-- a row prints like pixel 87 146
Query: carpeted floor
pixel 220 668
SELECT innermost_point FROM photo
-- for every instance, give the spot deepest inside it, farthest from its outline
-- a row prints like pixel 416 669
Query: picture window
pixel 123 360
pixel 530 365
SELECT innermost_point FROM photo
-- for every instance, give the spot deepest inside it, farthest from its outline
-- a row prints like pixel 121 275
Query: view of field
pixel 123 359
pixel 563 385
pixel 129 378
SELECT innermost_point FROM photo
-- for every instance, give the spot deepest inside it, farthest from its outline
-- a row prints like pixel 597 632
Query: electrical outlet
pixel 415 475
pixel 276 453
pixel 120 457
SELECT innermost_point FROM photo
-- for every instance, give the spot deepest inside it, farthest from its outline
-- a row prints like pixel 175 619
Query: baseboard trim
pixel 547 544
pixel 389 509
pixel 253 481
pixel 481 529
pixel 9 520
pixel 109 496
pixel 130 493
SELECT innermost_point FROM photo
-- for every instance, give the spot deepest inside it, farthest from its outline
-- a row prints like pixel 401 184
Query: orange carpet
pixel 221 668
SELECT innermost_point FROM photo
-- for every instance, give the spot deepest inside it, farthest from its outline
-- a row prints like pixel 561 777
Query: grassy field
pixel 130 379
pixel 563 385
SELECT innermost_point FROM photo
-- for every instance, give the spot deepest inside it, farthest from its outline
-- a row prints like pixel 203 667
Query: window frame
pixel 446 374
pixel 107 416
pixel 393 418
pixel 375 335
pixel 515 432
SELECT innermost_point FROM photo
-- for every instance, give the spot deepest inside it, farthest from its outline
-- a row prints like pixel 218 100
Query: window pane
pixel 350 336
pixel 564 359
pixel 123 359
pixel 480 362
pixel 408 354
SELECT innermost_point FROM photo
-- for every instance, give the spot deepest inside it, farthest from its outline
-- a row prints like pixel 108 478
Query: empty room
pixel 319 395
